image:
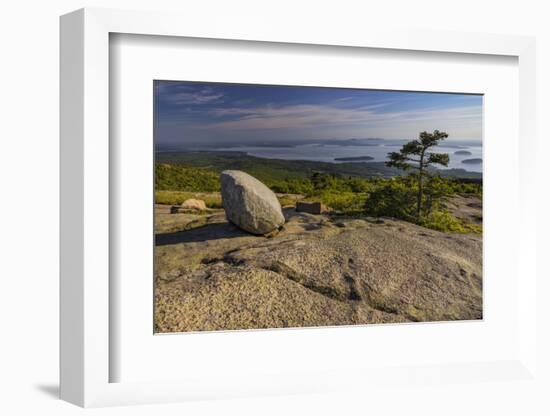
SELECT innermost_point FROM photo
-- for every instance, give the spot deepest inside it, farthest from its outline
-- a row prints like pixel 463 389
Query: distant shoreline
pixel 367 142
pixel 353 158
pixel 354 168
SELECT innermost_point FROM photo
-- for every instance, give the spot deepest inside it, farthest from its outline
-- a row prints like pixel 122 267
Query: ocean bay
pixel 378 151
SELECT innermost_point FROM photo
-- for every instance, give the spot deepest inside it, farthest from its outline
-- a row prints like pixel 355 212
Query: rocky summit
pixel 316 271
pixel 249 204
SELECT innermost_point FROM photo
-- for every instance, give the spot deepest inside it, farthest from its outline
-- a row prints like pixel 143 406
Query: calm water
pixel 327 153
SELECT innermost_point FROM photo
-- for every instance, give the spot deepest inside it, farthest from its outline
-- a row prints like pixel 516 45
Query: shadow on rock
pixel 200 234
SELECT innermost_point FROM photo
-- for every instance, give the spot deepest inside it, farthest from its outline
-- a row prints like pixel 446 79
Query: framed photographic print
pixel 270 212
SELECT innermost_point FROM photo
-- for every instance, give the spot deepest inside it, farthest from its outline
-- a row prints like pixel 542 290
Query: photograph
pixel 279 206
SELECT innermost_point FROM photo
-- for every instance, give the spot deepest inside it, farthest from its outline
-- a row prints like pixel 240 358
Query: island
pixel 463 153
pixel 474 161
pixel 353 159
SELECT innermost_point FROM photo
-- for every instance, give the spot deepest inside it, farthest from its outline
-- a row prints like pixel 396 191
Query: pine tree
pixel 416 155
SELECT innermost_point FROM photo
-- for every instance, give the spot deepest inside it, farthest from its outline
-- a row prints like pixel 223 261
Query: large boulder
pixel 249 204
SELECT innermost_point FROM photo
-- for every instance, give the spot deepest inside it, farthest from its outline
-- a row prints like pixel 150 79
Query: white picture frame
pixel 85 211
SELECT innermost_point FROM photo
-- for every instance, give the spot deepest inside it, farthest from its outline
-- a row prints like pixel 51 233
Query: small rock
pixel 311 207
pixel 169 275
pixel 249 204
pixel 194 204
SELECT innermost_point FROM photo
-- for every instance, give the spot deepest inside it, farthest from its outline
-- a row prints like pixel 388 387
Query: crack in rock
pixel 292 274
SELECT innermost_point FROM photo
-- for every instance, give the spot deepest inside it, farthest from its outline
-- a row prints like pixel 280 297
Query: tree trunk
pixel 419 198
pixel 420 190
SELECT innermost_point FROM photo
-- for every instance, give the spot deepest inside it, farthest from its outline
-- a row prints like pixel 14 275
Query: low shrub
pixel 345 202
pixel 285 200
pixel 184 178
pixel 177 197
pixel 392 198
pixel 444 221
pixel 349 195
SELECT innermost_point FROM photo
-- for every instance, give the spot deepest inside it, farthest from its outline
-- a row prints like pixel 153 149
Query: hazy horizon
pixel 206 115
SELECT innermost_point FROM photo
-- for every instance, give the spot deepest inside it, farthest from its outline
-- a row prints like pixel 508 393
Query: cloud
pixel 303 116
pixel 344 99
pixel 204 113
pixel 188 95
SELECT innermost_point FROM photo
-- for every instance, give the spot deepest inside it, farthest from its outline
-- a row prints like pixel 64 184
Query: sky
pixel 196 114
